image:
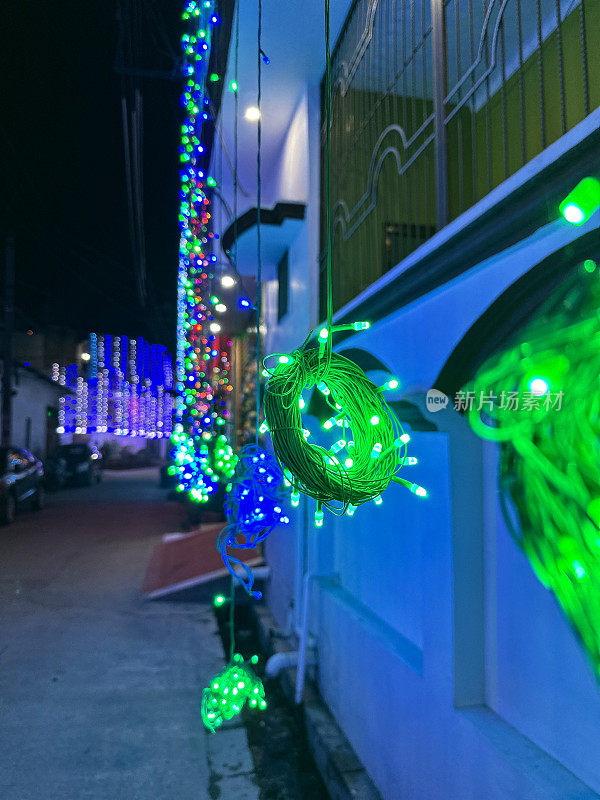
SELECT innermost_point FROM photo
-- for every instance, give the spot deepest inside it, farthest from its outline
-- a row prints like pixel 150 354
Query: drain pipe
pixel 301 671
pixel 303 661
pixel 280 661
pixel 295 658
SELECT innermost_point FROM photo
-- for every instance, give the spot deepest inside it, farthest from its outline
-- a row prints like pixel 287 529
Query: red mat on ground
pixel 183 560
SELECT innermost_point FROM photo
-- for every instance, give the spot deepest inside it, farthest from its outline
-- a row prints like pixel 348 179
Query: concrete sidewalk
pixel 100 691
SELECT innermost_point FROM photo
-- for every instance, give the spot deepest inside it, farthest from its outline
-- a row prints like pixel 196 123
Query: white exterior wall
pixel 33 395
pixel 449 667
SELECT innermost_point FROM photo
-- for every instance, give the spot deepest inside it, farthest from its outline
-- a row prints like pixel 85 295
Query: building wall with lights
pixel 447 664
pixel 35 407
pixel 120 387
pixel 449 667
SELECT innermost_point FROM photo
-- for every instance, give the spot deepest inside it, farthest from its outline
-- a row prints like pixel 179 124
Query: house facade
pixel 35 404
pixel 456 133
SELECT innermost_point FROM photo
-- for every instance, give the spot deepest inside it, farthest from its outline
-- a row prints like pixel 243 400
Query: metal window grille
pixel 436 102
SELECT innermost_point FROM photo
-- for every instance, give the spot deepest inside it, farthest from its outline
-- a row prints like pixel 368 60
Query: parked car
pixel 21 482
pixel 73 464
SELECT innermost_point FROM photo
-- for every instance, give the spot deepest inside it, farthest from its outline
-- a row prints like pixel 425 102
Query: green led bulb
pixel 376 451
pixel 583 201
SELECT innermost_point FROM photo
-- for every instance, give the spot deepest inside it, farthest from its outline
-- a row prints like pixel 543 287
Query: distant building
pixel 34 410
pixel 118 388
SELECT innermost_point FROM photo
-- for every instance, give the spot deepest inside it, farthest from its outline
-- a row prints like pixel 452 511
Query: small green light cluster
pixel 230 690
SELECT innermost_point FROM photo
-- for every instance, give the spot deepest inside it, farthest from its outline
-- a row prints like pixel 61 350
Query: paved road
pixel 99 690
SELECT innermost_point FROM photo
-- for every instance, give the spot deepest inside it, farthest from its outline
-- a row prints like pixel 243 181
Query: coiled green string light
pixel 361 464
pixel 546 418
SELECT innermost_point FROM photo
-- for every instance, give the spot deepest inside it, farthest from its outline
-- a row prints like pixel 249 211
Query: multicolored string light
pixel 541 402
pixel 202 362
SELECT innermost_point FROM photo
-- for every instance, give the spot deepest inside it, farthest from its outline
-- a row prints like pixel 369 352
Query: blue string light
pixel 253 507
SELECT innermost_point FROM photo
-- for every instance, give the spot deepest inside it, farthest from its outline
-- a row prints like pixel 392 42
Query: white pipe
pixel 260 573
pixel 301 671
pixel 303 643
pixel 281 661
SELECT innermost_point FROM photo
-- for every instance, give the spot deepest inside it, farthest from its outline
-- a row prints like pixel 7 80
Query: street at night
pixel 100 690
pixel 299 400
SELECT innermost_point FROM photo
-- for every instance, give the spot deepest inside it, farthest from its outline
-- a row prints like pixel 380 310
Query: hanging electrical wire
pixel 373 438
pixel 256 478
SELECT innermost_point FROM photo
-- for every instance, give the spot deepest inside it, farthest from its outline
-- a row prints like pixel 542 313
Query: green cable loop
pixel 374 452
pixel 549 471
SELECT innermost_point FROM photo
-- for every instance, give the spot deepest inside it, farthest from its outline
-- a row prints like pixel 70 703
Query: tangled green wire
pixel 373 439
pixel 230 690
pixel 550 447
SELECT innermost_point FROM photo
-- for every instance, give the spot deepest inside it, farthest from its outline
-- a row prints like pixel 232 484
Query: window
pixel 425 126
pixel 283 285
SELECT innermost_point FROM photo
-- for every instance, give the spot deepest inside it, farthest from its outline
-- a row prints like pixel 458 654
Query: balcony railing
pixel 436 102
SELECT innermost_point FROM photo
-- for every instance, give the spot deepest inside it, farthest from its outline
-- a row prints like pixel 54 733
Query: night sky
pixel 62 175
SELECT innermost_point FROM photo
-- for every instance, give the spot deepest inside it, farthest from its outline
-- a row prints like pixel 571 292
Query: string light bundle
pixel 202 358
pixel 203 467
pixel 360 465
pixel 229 692
pixel 542 404
pixel 254 508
